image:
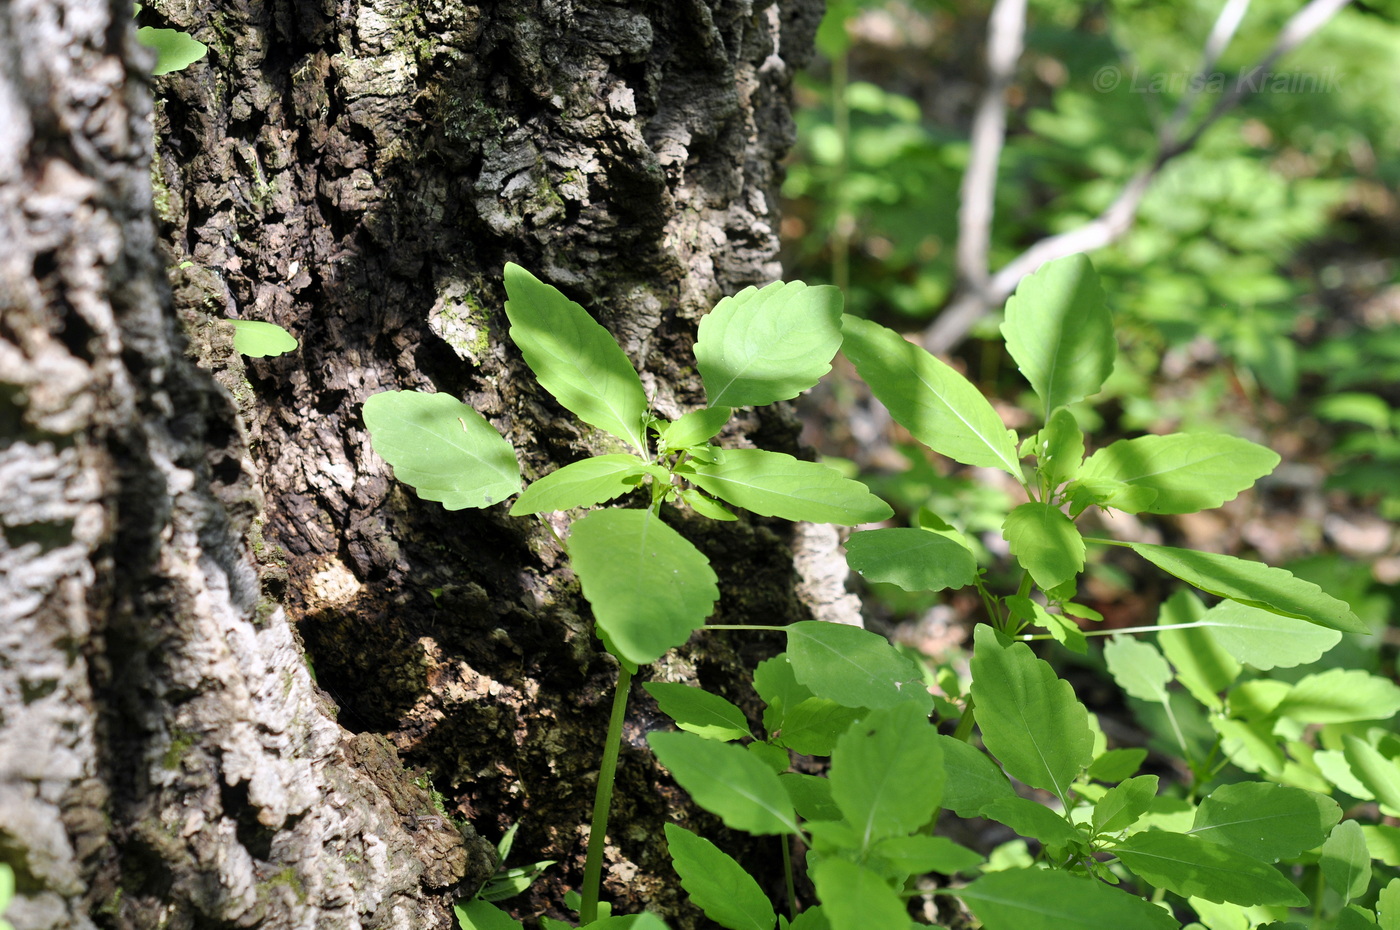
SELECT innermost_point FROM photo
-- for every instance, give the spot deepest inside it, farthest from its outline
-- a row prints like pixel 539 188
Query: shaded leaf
pixel 853 667
pixel 1037 821
pixel 1037 899
pixel 175 51
pixel 649 587
pixel 1058 449
pixel 1188 865
pixel 915 560
pixel 1045 542
pixel 1138 668
pixel 855 898
pixel 1345 862
pixel 919 854
pixel 442 448
pixel 727 781
pixel 1123 804
pixel 477 914
pixel 1269 822
pixel 717 884
pixel 1339 695
pixel 972 781
pixel 1265 639
pixel 886 773
pixel 1380 775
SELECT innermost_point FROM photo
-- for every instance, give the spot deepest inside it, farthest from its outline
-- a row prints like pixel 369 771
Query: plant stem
pixel 787 876
pixel 964 728
pixel 602 800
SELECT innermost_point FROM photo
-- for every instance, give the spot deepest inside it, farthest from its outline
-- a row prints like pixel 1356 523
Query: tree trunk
pixel 358 172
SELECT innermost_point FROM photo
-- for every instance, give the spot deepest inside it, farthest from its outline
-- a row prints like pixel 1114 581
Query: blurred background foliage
pixel 1258 291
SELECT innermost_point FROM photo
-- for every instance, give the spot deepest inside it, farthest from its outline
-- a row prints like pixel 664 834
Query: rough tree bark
pixel 357 171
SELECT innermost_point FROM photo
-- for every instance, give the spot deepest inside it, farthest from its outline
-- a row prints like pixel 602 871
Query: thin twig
pixel 953 324
pixel 1005 33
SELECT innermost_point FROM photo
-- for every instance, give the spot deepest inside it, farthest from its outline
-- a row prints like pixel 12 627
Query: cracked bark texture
pixel 359 171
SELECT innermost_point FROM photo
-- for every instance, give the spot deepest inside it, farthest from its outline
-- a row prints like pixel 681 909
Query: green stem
pixel 969 717
pixel 742 626
pixel 602 801
pixel 787 877
pixel 1029 637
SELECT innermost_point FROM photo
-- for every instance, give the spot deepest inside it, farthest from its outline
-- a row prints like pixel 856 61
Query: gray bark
pixel 357 172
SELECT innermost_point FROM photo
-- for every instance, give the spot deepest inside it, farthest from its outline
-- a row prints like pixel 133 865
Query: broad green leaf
pixel 1345 862
pixel 728 781
pixel 775 757
pixel 1029 818
pixel 1037 899
pixel 1269 822
pixel 442 448
pixel 1123 804
pixel 775 484
pixel 915 560
pixel 477 914
pixel 1216 915
pixel 1250 744
pixel 581 484
pixel 1380 775
pixel 1188 865
pixel 973 780
pixel 762 346
pixel 1138 668
pixel 1265 639
pixel 695 427
pixel 1253 583
pixel 1355 917
pixel 1029 718
pixel 937 405
pixel 706 506
pixel 853 667
pixel 1388 906
pixel 717 884
pixel 649 587
pixel 886 773
pixel 575 358
pixel 919 854
pixel 1058 329
pixel 777 685
pixel 813 725
pixel 855 898
pixel 1189 471
pixel 1383 843
pixel 647 921
pixel 257 339
pixel 1202 664
pixel 1045 542
pixel 175 51
pixel 813 918
pixel 1059 449
pixel 699 711
pixel 1339 695
pixel 1085 492
pixel 1116 764
pixel 811 796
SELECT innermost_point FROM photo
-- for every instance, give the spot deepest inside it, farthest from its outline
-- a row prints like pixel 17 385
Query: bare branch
pixel 1005 31
pixel 952 325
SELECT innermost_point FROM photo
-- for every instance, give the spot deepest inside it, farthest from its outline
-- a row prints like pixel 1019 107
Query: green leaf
pixel 1123 804
pixel 1202 664
pixel 1058 329
pixel 1265 639
pixel 649 587
pixel 175 51
pixel 477 914
pixel 1250 744
pixel 853 667
pixel 1253 583
pixel 920 854
pixel 581 484
pixel 442 448
pixel 646 921
pixel 575 358
pixel 762 346
pixel 257 339
pixel 694 428
pixel 972 780
pixel 1388 906
pixel 1045 542
pixel 855 898
pixel 1065 631
pixel 937 405
pixel 728 781
pixel 1339 695
pixel 886 773
pixel 1189 471
pixel 706 506
pixel 1034 820
pixel 811 796
pixel 1380 775
pixel 1269 822
pixel 1104 492
pixel 1058 449
pixel 1116 764
pixel 1354 916
pixel 1029 718
pixel 775 757
pixel 699 711
pixel 812 726
pixel 775 484
pixel 717 884
pixel 1188 865
pixel 915 560
pixel 1138 668
pixel 1036 899
pixel 1346 865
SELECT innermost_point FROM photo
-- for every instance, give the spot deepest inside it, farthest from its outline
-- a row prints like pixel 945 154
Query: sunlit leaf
pixel 699 711
pixel 581 484
pixel 1345 862
pixel 1269 822
pixel 775 484
pixel 1189 471
pixel 257 339
pixel 913 559
pixel 1045 542
pixel 175 51
pixel 1188 865
pixel 727 781
pixel 886 773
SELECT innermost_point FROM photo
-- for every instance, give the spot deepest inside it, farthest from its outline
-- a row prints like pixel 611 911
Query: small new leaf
pixel 1045 542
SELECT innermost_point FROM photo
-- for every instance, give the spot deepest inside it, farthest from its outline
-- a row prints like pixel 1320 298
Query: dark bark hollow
pixel 359 172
